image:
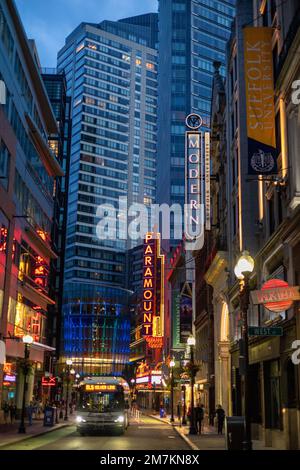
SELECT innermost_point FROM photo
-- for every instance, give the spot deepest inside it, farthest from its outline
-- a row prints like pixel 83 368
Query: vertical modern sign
pixel 197 184
pixel 262 152
pixel 207 179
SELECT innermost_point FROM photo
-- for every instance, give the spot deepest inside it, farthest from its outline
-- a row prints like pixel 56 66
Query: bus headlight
pixel 120 419
pixel 79 419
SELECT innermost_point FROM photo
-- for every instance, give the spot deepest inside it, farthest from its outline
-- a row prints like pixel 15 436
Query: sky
pixel 49 26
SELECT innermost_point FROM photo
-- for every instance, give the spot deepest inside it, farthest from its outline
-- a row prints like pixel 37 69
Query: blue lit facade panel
pixel 96 329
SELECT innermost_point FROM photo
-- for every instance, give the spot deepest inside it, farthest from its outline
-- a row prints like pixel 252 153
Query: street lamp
pixel 27 340
pixel 191 342
pixel 183 422
pixel 242 270
pixel 172 365
pixel 68 372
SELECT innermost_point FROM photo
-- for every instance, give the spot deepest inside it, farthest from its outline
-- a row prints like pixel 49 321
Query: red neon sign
pixel 149 284
pixel 48 381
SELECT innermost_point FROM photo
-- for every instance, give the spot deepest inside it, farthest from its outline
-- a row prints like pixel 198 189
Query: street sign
pixel 276 295
pixel 265 331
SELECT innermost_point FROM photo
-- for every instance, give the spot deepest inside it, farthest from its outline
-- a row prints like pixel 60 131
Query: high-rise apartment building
pixel 192 35
pixel 111 73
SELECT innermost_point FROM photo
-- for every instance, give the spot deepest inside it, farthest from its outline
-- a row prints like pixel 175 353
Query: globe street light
pixel 243 268
pixel 172 365
pixel 191 342
pixel 68 372
pixel 27 340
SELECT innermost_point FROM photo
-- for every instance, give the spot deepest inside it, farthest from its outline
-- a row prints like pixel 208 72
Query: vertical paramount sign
pixel 153 289
pixel 262 152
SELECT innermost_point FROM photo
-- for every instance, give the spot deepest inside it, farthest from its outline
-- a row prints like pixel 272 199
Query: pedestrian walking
pixel 12 412
pixel 30 413
pixel 189 414
pixel 199 416
pixel 6 412
pixel 179 411
pixel 220 417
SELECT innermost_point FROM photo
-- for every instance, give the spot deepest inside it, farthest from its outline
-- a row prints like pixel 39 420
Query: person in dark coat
pixel 220 413
pixel 13 412
pixel 179 411
pixel 199 416
pixel 6 412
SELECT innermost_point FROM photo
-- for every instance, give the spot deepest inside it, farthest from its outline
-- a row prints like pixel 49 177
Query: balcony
pixel 31 291
pixel 40 240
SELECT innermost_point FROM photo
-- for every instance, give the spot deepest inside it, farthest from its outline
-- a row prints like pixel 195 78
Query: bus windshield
pixel 101 402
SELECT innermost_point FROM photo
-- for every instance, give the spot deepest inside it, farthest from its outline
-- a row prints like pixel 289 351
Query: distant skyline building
pixel 192 35
pixel 111 73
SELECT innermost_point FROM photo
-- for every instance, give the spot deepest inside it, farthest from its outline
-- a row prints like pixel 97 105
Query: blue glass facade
pixel 96 328
pixel 111 73
pixel 192 35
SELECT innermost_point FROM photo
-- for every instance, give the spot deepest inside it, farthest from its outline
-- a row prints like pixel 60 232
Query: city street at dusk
pixel 148 434
pixel 149 230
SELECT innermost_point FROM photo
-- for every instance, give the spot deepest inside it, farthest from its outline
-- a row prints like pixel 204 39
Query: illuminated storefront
pixel 150 387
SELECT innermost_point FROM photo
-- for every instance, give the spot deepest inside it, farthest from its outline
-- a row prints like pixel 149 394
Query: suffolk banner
pixel 262 152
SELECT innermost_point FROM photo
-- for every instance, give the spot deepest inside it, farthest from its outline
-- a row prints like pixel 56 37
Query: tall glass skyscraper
pixel 192 35
pixel 111 73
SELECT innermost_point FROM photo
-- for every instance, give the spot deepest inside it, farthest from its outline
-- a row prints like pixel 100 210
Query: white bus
pixel 103 405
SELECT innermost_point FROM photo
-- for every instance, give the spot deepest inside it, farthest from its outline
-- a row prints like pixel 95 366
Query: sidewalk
pixel 208 440
pixel 9 432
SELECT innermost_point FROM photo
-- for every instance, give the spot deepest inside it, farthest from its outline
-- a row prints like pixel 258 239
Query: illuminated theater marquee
pixel 153 290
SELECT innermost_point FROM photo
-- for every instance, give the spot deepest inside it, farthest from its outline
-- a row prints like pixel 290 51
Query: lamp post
pixel 172 364
pixel 68 364
pixel 132 382
pixel 242 270
pixel 191 342
pixel 183 422
pixel 27 340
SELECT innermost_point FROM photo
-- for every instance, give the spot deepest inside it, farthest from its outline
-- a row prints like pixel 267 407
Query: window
pixel 150 66
pixel 4 164
pixel 80 47
pixel 21 77
pixel 6 36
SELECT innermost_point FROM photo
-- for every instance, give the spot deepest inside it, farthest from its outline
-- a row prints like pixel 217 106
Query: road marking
pixel 152 427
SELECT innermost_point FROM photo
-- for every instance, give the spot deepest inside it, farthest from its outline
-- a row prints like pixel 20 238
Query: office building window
pixel 4 164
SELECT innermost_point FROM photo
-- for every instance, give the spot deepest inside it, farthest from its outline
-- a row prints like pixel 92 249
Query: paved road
pixel 148 434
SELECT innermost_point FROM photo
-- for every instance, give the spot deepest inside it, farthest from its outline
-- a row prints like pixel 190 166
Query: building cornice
pixel 217 267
